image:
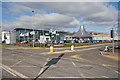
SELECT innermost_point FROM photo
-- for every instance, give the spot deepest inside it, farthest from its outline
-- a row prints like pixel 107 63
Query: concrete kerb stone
pixel 110 55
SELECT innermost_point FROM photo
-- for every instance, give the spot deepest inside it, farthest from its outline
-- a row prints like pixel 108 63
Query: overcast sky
pixel 95 16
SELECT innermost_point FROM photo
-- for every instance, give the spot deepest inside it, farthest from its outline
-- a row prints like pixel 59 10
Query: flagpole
pixel 33 30
pixel 39 39
pixel 19 35
pixel 43 38
pixel 24 35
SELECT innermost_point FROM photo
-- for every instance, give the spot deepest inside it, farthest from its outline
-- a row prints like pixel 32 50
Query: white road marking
pixel 117 72
pixel 105 77
pixel 9 71
pixel 13 71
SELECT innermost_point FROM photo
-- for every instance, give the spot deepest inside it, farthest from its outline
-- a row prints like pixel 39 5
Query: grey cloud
pixel 92 13
pixel 88 11
pixel 43 21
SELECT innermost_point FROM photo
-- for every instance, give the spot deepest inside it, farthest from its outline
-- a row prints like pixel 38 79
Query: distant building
pixel 22 34
pixel 68 37
pixel 9 37
pixel 82 34
pixel 106 37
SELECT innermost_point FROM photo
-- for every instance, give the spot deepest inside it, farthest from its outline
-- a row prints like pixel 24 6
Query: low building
pixel 22 34
pixel 9 37
pixel 106 37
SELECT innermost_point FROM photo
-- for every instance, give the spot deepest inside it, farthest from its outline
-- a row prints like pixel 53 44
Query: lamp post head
pixel 33 11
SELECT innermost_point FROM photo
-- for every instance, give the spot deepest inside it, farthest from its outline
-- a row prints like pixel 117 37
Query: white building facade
pixel 9 37
pixel 106 37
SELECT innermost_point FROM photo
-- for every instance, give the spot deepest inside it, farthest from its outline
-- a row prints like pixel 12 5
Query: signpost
pixel 112 36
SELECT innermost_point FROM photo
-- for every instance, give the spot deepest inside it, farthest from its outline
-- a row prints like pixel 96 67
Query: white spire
pixel 82 26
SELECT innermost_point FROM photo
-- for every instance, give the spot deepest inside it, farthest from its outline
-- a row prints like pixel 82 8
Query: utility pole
pixel 33 30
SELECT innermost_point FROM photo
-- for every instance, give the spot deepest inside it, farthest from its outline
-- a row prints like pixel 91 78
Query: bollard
pixel 51 48
pixel 106 48
pixel 72 47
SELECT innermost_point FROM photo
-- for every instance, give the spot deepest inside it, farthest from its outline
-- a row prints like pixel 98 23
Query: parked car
pixel 66 41
pixel 55 42
pixel 24 42
pixel 61 41
pixel 37 42
pixel 18 41
pixel 4 41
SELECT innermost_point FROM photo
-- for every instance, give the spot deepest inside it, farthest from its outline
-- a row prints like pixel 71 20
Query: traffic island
pixel 110 55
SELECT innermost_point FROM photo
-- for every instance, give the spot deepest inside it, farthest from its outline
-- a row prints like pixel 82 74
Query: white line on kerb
pixel 9 71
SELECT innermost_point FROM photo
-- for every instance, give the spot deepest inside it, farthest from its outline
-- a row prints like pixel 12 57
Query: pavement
pixel 83 62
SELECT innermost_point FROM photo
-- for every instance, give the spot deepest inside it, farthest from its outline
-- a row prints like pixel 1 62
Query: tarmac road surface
pixel 83 62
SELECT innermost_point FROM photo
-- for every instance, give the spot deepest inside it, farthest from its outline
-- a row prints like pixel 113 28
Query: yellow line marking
pixel 88 49
pixel 31 55
pixel 106 65
pixel 17 63
pixel 43 67
pixel 105 77
pixel 24 66
pixel 17 73
pixel 74 64
pixel 22 60
pixel 85 65
pixel 9 71
pixel 81 74
pixel 78 58
pixel 111 68
pixel 117 72
pixel 61 77
pixel 41 70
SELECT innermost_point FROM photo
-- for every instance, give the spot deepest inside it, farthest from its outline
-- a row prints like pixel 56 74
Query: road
pixel 83 62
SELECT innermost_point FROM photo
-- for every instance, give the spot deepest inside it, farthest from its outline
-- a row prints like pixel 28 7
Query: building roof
pixel 34 29
pixel 82 33
pixel 27 29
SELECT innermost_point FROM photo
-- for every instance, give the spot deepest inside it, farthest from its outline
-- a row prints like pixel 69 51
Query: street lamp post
pixel 112 36
pixel 33 30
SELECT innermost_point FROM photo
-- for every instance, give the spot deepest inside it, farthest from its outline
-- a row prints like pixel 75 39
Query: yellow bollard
pixel 51 48
pixel 106 48
pixel 72 47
